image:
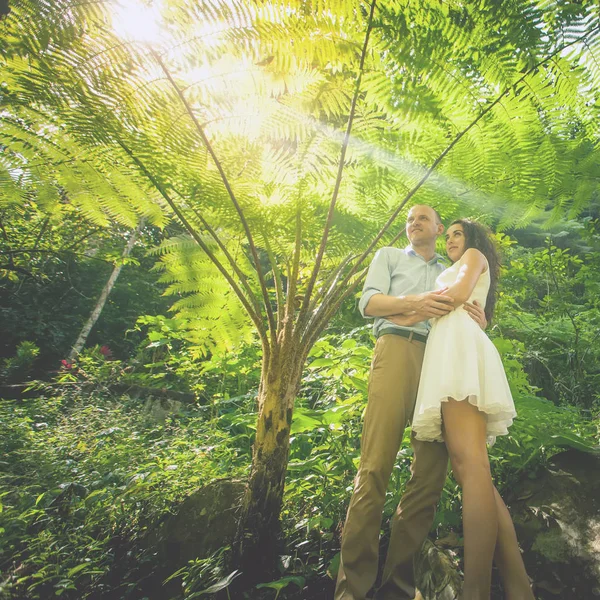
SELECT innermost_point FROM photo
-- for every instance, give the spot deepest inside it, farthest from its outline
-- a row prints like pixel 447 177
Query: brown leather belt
pixel 410 335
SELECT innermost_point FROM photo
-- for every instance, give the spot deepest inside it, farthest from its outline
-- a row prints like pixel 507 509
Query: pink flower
pixel 106 352
pixel 66 364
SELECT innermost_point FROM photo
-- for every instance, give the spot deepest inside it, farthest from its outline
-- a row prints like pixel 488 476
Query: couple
pixel 456 389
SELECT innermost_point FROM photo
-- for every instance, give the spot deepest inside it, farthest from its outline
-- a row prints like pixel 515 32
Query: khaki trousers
pixel 393 384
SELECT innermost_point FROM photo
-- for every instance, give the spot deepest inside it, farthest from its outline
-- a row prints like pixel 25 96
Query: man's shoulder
pixel 393 252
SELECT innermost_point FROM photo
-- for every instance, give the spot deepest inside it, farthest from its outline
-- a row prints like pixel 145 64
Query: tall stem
pixel 108 286
pixel 304 311
pixel 256 317
pixel 224 178
pixel 455 141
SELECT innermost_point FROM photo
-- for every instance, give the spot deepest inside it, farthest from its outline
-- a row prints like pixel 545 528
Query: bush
pixel 17 368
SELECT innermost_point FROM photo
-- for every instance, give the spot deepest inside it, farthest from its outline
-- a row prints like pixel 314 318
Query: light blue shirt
pixel 399 272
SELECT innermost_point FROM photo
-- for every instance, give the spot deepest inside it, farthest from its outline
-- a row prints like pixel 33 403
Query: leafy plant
pixel 288 146
pixel 18 367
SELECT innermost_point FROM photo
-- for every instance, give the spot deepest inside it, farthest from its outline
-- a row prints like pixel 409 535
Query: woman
pixel 464 400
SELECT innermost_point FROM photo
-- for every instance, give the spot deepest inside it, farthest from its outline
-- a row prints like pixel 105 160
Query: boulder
pixel 205 521
pixel 436 575
pixel 557 518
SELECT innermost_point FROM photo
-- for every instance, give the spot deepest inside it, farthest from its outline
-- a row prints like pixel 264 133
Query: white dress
pixel 461 362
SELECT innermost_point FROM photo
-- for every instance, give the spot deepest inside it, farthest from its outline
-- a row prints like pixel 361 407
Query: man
pixel 399 282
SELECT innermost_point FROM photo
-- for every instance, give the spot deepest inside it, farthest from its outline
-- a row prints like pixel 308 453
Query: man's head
pixel 423 225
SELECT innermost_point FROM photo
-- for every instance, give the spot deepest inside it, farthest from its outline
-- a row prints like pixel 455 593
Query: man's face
pixel 422 226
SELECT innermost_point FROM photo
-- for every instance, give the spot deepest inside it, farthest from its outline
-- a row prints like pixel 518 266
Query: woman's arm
pixel 475 311
pixel 407 320
pixel 473 265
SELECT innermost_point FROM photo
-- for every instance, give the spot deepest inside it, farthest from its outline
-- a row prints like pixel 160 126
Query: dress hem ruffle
pixel 430 430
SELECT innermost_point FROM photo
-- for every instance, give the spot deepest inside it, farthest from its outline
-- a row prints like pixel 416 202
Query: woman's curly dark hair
pixel 479 236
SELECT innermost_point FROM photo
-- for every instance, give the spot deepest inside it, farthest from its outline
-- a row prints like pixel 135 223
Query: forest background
pixel 220 174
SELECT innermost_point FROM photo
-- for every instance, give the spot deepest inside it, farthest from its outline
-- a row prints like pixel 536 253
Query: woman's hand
pixel 476 313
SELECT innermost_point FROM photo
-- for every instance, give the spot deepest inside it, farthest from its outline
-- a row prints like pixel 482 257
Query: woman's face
pixel 455 242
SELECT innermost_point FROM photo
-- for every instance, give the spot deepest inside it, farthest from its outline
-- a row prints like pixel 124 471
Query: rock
pixel 557 518
pixel 206 521
pixel 436 574
pixel 156 410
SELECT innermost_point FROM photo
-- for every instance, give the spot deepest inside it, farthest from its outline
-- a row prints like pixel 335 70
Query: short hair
pixel 437 214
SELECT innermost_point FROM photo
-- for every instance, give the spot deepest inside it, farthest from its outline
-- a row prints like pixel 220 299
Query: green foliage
pixel 232 125
pixel 195 575
pixel 20 365
pixel 325 444
pixel 549 302
pixel 207 309
pixel 86 475
pixel 506 95
pixel 167 357
pixel 53 265
pixel 82 481
pixel 282 583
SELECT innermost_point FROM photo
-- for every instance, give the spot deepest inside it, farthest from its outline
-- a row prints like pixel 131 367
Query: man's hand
pixel 476 313
pixel 431 304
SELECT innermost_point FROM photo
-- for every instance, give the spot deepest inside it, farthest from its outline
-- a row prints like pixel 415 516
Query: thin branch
pixel 400 234
pixel 329 285
pixel 83 237
pixel 315 272
pixel 231 260
pixel 323 314
pixel 105 293
pixel 11 267
pixel 290 305
pixel 41 232
pixel 591 345
pixel 265 293
pixel 455 141
pixel 4 232
pixel 278 283
pixel 10 253
pixel 256 318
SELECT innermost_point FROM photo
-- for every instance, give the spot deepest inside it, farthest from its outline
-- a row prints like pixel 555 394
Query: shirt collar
pixel 409 250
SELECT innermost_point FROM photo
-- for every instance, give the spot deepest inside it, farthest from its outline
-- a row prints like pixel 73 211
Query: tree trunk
pixel 85 332
pixel 258 540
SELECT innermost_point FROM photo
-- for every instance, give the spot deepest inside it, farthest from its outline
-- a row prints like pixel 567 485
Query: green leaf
pixel 282 583
pixel 305 420
pixel 77 569
pixel 217 587
pixel 573 441
pixel 334 566
pixel 321 362
pixel 95 493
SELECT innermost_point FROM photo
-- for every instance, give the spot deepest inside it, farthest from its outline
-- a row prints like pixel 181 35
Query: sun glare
pixel 136 21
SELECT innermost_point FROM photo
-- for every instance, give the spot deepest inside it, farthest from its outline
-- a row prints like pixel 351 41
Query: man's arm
pixel 475 310
pixel 424 306
pixel 376 301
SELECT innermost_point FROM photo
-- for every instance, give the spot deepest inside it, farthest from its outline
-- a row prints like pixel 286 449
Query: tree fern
pixel 287 138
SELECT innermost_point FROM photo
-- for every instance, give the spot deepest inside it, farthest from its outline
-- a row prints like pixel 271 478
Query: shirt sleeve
pixel 377 282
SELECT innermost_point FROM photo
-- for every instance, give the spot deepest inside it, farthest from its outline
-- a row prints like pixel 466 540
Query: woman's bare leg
pixel 508 557
pixel 465 436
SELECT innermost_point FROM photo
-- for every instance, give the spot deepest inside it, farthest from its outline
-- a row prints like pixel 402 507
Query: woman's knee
pixel 469 467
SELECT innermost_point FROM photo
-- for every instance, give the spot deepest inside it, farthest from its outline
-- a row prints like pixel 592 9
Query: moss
pixel 553 546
